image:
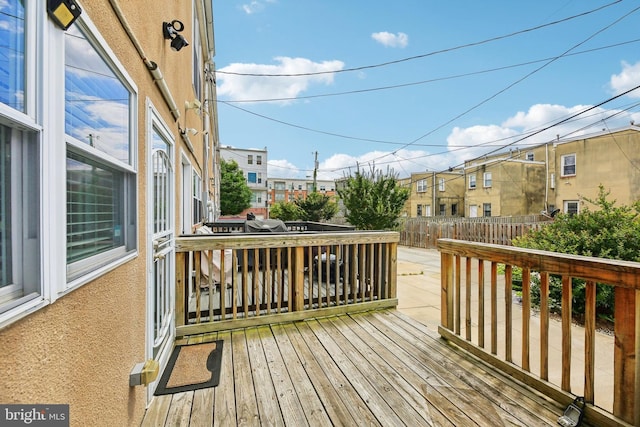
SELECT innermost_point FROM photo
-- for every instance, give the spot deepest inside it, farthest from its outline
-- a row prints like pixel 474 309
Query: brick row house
pixel 543 178
pixel 108 148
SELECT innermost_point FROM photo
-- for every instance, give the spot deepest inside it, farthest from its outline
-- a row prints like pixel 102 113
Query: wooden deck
pixel 375 368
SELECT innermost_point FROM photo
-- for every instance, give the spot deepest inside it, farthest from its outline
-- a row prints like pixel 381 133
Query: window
pixel 250 159
pixel 529 156
pixel 260 199
pixel 443 209
pixel 486 209
pixel 427 210
pixel 12 54
pixel 472 181
pixel 441 184
pixel 421 186
pixel 486 179
pixel 197 48
pixel 571 207
pixel 19 217
pixel 310 187
pixel 101 178
pixel 20 238
pixel 454 209
pixel 299 186
pixel 323 188
pixel 254 198
pixel 197 198
pixel 568 165
pixel 259 178
pixel 279 197
pixel 279 185
pixel 419 212
pixel 258 159
pixel 252 177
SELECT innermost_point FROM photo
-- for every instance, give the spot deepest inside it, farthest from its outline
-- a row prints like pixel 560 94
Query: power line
pixel 422 82
pixel 411 58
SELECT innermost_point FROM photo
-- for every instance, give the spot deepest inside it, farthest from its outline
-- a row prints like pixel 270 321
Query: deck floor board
pixel 374 368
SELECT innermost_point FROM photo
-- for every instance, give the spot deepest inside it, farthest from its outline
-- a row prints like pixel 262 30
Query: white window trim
pixel 565 205
pixel 484 180
pixel 93 35
pixel 562 164
pixel 421 186
pixel 441 182
pixel 475 182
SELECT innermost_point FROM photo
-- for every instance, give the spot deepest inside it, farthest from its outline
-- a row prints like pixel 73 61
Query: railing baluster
pixel 494 307
pixel 526 319
pixel 457 296
pixel 468 299
pixel 566 332
pixel 508 312
pixel 544 326
pixel 481 303
pixel 589 340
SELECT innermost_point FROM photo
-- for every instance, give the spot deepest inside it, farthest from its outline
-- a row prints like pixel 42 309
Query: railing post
pixel 393 270
pixel 446 306
pixel 624 363
pixel 298 278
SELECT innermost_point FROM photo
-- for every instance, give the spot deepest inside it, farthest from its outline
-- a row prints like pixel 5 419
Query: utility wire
pixel 411 58
pixel 422 82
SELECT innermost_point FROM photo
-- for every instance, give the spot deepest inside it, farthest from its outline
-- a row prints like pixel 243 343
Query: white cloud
pixel 246 88
pixel 628 78
pixel 282 169
pixel 391 40
pixel 255 6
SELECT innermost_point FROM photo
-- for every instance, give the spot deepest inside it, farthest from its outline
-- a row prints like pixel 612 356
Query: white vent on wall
pixel 552 184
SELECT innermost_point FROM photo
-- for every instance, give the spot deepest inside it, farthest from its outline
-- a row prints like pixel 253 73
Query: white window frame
pixel 421 186
pixel 197 51
pixel 419 210
pixel 563 164
pixel 427 210
pixel 441 182
pixel 250 159
pixel 484 210
pixel 530 156
pixel 472 181
pixel 567 203
pixel 486 180
pixel 85 270
pixel 197 210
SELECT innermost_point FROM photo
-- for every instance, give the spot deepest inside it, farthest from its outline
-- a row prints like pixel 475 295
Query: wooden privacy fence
pixel 237 280
pixel 478 315
pixel 424 233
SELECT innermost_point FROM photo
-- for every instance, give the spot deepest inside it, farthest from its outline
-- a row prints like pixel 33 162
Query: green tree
pixel 373 200
pixel 609 232
pixel 316 207
pixel 285 211
pixel 235 195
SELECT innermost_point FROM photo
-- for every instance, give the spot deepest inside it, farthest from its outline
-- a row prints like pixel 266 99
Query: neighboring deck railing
pixel 235 280
pixel 472 312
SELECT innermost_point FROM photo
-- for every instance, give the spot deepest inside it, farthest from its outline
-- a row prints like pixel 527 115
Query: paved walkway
pixel 419 297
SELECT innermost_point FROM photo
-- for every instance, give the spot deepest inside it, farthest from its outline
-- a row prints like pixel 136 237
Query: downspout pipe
pixel 151 66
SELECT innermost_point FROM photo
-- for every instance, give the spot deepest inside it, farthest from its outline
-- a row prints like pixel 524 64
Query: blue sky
pixel 462 78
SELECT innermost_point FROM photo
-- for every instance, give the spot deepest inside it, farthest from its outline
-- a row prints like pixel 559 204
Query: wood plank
pixel 245 394
pixel 566 333
pixel 508 313
pixel 156 415
pixel 265 393
pixel 202 408
pixel 224 407
pixel 526 319
pixel 343 388
pixel 589 341
pixel 477 394
pixel 295 391
pixel 624 354
pixel 409 384
pixel 494 307
pixel 336 407
pixel 544 326
pixel 383 400
pixel 180 409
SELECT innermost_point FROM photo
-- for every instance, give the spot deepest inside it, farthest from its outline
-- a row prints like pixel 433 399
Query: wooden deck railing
pixel 233 280
pixel 478 315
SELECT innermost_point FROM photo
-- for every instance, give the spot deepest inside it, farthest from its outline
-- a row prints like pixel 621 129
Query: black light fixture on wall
pixel 171 30
pixel 63 12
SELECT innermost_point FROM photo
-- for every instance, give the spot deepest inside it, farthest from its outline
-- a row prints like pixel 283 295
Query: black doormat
pixel 191 367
